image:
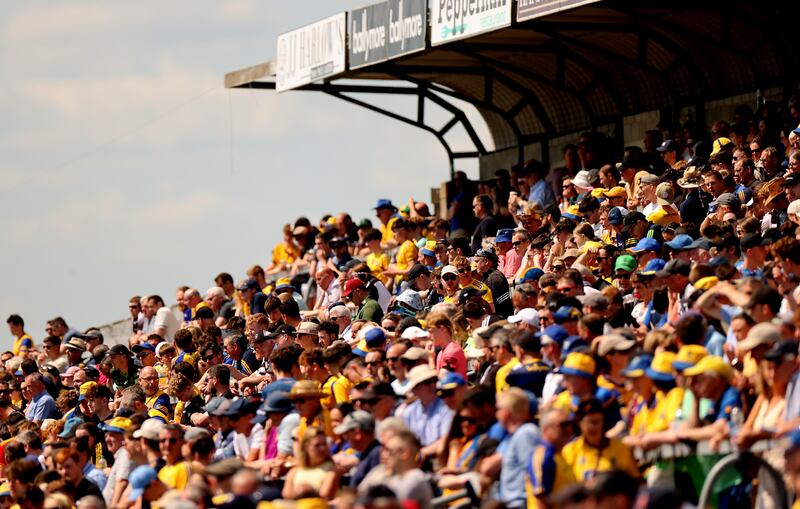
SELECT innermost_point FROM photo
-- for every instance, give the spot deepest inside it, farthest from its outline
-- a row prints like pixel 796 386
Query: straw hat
pixel 306 389
pixel 774 189
pixel 691 179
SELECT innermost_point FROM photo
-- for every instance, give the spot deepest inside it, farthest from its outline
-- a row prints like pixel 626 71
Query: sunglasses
pixel 464 270
pixel 447 393
pixel 392 359
pixel 368 402
pixel 565 289
pixel 558 267
pixel 373 363
pixel 171 440
pixel 623 276
pixel 449 277
pixel 469 420
pixel 141 355
pixel 517 243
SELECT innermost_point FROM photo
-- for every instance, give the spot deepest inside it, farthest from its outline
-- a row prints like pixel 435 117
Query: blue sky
pixel 120 173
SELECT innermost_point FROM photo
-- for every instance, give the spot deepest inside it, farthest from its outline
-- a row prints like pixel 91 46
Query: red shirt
pixel 452 357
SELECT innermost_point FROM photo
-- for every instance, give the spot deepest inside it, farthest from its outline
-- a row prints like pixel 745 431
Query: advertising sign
pixel 530 9
pixel 452 20
pixel 311 53
pixel 408 26
pixel 368 27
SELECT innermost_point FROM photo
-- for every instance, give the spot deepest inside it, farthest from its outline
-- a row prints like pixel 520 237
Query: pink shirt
pixel 452 357
pixel 513 262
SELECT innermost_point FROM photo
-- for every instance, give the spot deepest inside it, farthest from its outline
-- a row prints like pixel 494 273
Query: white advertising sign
pixel 311 53
pixel 452 20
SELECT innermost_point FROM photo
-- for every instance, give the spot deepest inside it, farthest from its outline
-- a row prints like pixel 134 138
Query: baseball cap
pixel 700 243
pixel 414 332
pixel 566 314
pixel 488 254
pixel 308 328
pixel 616 192
pixel 468 293
pixel 141 477
pixel 375 337
pixel 150 429
pixel 719 144
pixel 595 300
pixel 116 425
pixel 674 267
pixel 504 235
pixel 679 242
pixel 637 366
pixel 668 146
pixel 615 215
pixel 419 374
pixel 554 334
pixel 449 269
pixel 710 365
pixel 653 267
pixel 120 350
pixel 70 372
pixel 145 346
pixel 248 284
pixel 358 419
pixel 578 364
pixel 204 312
pixel 782 351
pixel 451 381
pixel 527 315
pixel 608 343
pixel 625 262
pixel 411 300
pixel 760 334
pixel 84 388
pixel 645 244
pixel 660 369
pixel 688 356
pixel 728 199
pixel 649 178
pixel 415 353
pixel 665 194
pixel 750 240
pixel 277 402
pixel 351 285
pixel 532 275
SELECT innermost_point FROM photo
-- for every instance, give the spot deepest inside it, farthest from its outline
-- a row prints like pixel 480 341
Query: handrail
pixel 703 448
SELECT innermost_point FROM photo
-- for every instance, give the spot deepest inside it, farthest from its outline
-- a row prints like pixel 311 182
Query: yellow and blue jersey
pixel 547 473
pixel 159 407
pixel 587 461
pixel 23 344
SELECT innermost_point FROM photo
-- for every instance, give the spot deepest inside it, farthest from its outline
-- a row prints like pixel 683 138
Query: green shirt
pixel 122 380
pixel 370 310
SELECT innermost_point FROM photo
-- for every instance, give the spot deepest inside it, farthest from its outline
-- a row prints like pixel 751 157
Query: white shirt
pixel 167 319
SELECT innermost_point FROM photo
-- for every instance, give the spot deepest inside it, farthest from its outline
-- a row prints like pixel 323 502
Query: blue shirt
pixel 95 475
pixel 542 193
pixel 511 489
pixel 42 407
pixel 428 424
pixel 722 409
pixel 282 384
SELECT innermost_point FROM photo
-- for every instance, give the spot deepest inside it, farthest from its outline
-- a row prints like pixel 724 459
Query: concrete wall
pixel 118 333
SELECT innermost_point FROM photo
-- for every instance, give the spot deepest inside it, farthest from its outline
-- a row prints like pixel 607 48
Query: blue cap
pixel 653 266
pixel 532 275
pixel 504 235
pixel 384 203
pixel 143 346
pixel 213 404
pixel 717 261
pixel 427 252
pixel 554 334
pixel 574 344
pixel 451 381
pixel 701 243
pixel 140 479
pixel 277 402
pixel 646 244
pixel 70 426
pixel 375 337
pixel 615 216
pixel 638 366
pixel 679 242
pixel 566 313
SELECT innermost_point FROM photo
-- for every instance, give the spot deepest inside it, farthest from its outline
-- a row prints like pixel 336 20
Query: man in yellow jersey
pixel 312 366
pixel 23 342
pixel 547 471
pixel 592 453
pixel 176 472
pixel 467 279
pixel 387 214
pixel 157 402
pixel 450 283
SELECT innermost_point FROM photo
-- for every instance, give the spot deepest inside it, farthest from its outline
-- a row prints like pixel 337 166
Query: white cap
pixel 527 315
pixel 414 332
pixel 449 269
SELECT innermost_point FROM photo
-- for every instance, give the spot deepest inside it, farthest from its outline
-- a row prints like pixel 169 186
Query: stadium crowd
pixel 527 347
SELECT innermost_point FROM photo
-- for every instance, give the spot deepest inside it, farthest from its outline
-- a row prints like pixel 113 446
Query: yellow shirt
pixel 284 253
pixel 386 230
pixel 23 344
pixel 338 390
pixel 480 285
pixel 547 473
pixel 406 257
pixel 666 410
pixel 663 216
pixel 176 476
pixel 377 263
pixel 500 383
pixel 587 461
pixel 322 420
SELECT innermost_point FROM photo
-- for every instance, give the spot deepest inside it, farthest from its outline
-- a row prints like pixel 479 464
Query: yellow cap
pixel 598 192
pixel 705 283
pixel 85 386
pixel 578 364
pixel 719 143
pixel 711 365
pixel 616 192
pixel 661 367
pixel 688 356
pixel 116 424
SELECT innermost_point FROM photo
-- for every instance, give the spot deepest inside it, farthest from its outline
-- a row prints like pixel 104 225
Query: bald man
pixel 156 401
